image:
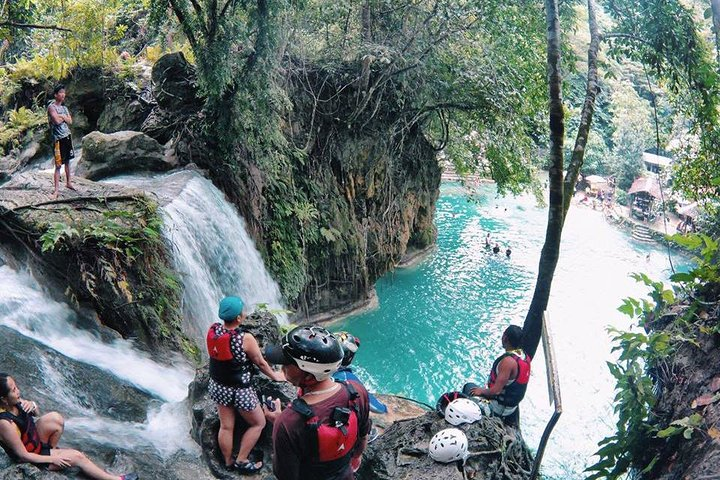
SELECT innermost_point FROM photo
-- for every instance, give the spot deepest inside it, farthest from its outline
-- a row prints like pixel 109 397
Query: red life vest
pixel 334 438
pixel 224 367
pixel 28 432
pixel 515 389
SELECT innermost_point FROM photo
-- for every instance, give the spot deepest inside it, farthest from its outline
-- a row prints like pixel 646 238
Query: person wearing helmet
pixel 232 352
pixel 350 345
pixel 323 434
pixel 508 379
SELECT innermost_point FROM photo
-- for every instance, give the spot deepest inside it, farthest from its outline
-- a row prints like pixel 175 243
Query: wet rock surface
pixel 496 452
pixel 127 151
pixel 99 248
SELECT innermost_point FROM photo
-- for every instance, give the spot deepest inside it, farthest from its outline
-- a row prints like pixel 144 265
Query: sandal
pixel 247 468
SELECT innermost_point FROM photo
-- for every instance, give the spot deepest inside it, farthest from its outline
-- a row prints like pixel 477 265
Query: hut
pixel 596 183
pixel 655 163
pixel 687 215
pixel 644 194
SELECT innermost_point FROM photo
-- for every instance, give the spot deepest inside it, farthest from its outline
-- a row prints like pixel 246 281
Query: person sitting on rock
pixel 26 440
pixel 324 432
pixel 232 354
pixel 508 378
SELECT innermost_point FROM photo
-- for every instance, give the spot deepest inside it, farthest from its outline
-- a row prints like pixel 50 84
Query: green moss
pixel 121 260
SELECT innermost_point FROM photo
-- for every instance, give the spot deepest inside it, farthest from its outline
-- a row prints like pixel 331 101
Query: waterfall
pixel 211 249
pixel 74 371
pixel 115 397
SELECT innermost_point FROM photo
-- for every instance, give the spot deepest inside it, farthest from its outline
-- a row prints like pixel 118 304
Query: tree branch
pixel 586 115
pixel 627 36
pixel 32 25
pixel 184 23
pixel 225 7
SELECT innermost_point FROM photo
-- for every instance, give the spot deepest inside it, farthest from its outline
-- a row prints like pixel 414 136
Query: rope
pixel 412 400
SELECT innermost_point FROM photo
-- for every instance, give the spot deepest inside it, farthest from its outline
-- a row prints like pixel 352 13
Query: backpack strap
pixel 301 407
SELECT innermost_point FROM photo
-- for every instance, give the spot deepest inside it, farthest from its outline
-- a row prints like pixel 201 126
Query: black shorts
pixel 63 150
pixel 45 451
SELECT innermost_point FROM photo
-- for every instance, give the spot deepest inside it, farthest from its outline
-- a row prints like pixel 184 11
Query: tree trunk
pixel 365 22
pixel 586 116
pixel 715 4
pixel 532 328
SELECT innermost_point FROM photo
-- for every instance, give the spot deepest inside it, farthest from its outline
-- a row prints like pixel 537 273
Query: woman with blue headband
pixel 233 351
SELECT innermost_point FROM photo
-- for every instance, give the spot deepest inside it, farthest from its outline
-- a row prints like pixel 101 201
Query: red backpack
pixel 336 436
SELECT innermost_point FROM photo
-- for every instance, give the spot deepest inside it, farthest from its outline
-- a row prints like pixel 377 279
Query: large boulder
pixel 105 155
pixel 174 82
pixel 175 90
pixel 123 114
pixel 497 452
pixel 101 243
pixel 35 146
pixel 205 422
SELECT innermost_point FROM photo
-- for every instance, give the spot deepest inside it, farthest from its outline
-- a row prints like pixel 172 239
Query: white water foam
pixel 25 308
pixel 212 250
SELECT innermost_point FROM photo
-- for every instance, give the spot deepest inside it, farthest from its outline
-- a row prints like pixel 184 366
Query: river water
pixel 439 324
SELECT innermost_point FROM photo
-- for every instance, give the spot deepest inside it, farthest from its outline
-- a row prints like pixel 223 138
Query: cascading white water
pixel 214 256
pixel 212 250
pixel 33 314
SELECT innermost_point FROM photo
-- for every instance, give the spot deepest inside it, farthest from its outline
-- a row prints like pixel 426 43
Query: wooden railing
pixel 554 394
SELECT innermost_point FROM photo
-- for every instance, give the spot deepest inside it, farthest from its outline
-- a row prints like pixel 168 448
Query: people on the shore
pixel 28 437
pixel 496 248
pixel 233 352
pixel 324 432
pixel 487 240
pixel 508 378
pixel 60 120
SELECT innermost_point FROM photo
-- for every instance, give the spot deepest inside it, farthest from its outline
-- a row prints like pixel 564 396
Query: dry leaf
pixel 714 433
pixel 703 400
pixel 715 384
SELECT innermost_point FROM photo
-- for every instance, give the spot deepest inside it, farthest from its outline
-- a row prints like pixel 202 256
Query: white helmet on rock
pixel 462 410
pixel 449 445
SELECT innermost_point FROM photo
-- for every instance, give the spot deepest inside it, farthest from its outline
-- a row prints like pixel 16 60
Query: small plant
pixel 685 427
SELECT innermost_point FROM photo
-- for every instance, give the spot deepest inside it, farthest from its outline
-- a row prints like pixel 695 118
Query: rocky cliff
pixel 101 242
pixel 341 204
pixel 687 386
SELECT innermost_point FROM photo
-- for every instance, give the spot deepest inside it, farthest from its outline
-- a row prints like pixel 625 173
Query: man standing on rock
pixel 60 121
pixel 323 434
pixel 508 378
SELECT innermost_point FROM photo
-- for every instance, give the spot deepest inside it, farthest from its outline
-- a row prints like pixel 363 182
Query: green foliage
pixel 621 196
pixel 707 269
pixel 19 123
pixel 93 40
pixel 118 232
pixel 8 87
pixel 637 426
pixel 627 448
pixel 685 426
